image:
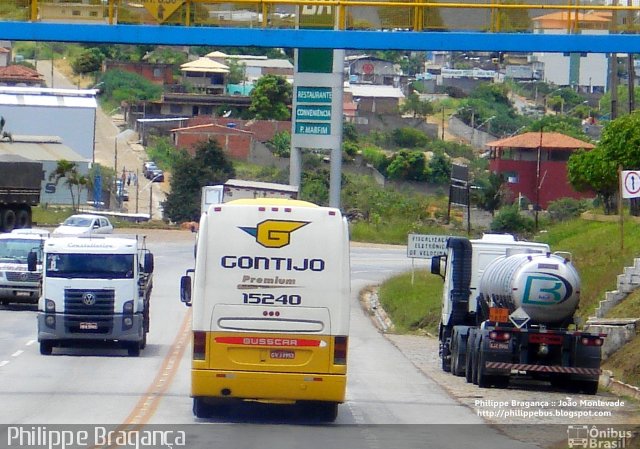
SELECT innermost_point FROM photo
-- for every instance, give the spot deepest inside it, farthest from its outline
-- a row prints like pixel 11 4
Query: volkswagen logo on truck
pixel 88 299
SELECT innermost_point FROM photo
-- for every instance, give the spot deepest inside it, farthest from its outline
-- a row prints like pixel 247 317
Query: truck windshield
pixel 17 250
pixel 104 266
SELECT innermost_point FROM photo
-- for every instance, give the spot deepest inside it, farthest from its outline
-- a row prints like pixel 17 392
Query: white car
pixel 84 224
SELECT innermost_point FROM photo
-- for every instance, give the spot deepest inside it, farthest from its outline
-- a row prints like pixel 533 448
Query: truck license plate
pixel 281 354
pixel 88 326
pixel 22 293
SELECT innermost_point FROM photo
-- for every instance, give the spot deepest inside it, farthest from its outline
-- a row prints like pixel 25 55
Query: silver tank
pixel 546 286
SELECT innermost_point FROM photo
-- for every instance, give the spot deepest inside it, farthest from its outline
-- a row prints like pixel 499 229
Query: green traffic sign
pixel 308 112
pixel 318 129
pixel 314 94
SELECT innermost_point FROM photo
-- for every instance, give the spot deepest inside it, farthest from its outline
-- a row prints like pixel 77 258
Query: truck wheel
pixel 588 386
pixel 46 347
pixel 7 220
pixel 468 372
pixel 457 366
pixel 446 359
pixel 133 348
pixel 143 342
pixel 484 381
pixel 23 219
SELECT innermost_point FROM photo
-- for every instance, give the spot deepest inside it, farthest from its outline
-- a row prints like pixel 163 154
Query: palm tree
pixel 69 171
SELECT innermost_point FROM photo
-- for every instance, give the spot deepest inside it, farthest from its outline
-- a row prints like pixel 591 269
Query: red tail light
pixel 499 336
pixel 199 345
pixel 591 341
pixel 340 350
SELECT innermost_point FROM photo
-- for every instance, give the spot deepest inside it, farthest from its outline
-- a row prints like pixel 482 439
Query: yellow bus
pixel 271 296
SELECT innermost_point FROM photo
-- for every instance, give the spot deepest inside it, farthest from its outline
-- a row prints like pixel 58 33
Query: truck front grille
pixel 22 276
pixel 88 302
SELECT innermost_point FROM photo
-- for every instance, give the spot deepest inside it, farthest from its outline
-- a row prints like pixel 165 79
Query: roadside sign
pixel 519 317
pixel 425 246
pixel 630 183
pixel 162 9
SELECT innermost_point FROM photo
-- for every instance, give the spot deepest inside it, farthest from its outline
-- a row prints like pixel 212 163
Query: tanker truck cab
pixel 270 294
pixel 508 311
pixel 95 289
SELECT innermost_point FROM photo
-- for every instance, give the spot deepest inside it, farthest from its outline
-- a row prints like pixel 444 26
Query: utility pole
pixel 613 66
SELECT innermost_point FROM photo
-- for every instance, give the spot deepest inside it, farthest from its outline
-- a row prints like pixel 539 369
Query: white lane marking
pixel 3 363
pixel 30 342
pixel 17 353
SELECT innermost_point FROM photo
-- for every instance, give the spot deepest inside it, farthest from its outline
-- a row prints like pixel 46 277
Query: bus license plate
pixel 88 326
pixel 281 354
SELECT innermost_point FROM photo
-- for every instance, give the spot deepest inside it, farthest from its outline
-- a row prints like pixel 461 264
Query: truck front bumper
pixel 20 293
pixel 59 326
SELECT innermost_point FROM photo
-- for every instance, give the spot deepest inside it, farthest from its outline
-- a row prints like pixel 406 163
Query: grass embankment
pixel 596 252
pixel 53 216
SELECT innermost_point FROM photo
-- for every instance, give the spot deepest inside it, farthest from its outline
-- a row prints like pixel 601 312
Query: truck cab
pixel 17 283
pixel 95 288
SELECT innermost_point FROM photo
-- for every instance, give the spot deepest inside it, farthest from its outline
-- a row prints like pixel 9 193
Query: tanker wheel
pixel 468 372
pixel 457 368
pixel 7 220
pixel 23 219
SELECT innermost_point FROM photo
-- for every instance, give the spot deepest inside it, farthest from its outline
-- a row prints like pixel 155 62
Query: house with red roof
pixel 19 75
pixel 534 165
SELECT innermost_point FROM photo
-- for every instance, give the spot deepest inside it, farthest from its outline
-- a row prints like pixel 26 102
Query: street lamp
pixel 150 187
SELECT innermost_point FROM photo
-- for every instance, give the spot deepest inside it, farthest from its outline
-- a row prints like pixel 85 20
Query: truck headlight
pixel 49 306
pixel 128 307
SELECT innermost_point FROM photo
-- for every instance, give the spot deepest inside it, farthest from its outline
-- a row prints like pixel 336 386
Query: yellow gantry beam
pixel 416 10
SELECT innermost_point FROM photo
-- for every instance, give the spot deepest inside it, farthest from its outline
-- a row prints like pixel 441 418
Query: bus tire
pixel 322 411
pixel 200 408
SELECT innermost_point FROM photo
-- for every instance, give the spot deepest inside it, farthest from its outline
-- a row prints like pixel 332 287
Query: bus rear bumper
pixel 263 386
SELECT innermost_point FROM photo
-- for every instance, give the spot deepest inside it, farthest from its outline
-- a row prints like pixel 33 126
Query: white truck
pixel 235 189
pixel 508 310
pixel 17 283
pixel 95 288
pixel 271 296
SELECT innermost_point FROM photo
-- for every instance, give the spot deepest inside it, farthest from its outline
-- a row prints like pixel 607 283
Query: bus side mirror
pixel 32 261
pixel 185 289
pixel 438 265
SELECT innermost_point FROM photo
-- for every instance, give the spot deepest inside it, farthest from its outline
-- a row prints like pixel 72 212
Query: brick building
pixel 534 165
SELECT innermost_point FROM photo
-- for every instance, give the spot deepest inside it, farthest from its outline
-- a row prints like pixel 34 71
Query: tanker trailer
pixel 522 320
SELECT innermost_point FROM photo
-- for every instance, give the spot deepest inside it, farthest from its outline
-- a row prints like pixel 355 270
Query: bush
pixel 409 138
pixel 566 209
pixel 510 220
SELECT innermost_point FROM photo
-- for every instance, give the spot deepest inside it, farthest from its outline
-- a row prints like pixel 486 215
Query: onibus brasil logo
pixel 274 233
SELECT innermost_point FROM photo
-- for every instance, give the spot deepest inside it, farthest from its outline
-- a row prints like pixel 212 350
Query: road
pixel 103 386
pixel 109 139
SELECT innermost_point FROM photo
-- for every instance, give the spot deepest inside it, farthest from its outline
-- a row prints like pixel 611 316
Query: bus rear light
pixel 217 209
pixel 313 379
pixel 287 209
pixel 270 313
pixel 274 209
pixel 262 209
pixel 199 345
pixel 340 350
pixel 332 212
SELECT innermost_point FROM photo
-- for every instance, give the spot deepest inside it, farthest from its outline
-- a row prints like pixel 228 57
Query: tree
pixel 281 144
pixel 414 105
pixel 439 168
pixel 209 166
pixel 408 165
pixel 89 61
pixel 271 98
pixel 69 171
pixel 592 170
pixel 491 194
